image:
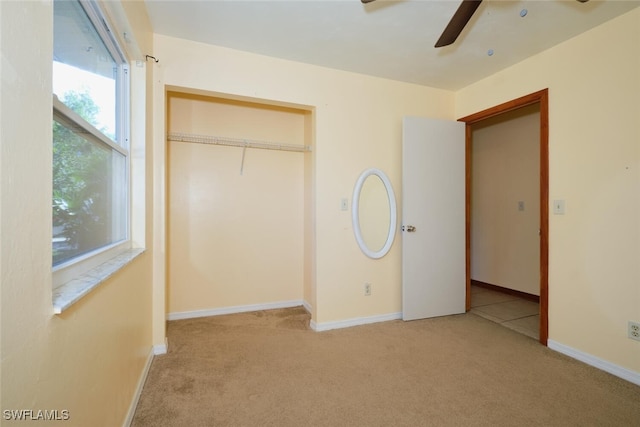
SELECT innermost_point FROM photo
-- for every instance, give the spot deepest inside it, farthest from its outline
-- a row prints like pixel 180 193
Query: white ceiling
pixel 387 38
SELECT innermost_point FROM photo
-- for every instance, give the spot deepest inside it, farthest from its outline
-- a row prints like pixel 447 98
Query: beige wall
pixel 594 161
pixel 505 246
pixel 89 359
pixel 234 239
pixel 358 125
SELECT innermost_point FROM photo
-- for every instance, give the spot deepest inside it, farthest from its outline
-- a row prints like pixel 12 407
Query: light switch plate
pixel 558 207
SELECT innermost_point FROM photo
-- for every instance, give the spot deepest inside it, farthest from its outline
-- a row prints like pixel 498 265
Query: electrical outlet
pixel 634 330
pixel 367 289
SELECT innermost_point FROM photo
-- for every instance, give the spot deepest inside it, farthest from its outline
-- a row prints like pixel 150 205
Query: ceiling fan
pixel 459 20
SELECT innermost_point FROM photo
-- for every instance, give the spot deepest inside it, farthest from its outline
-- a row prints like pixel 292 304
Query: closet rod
pixel 235 142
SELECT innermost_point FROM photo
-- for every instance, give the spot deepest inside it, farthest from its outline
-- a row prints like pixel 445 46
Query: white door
pixel 433 211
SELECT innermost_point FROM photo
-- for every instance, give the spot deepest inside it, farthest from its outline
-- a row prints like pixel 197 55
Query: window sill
pixel 69 293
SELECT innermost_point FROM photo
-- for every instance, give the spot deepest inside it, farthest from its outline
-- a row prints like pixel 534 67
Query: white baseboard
pixel 306 305
pixel 618 371
pixel 232 310
pixel 136 395
pixel 326 326
pixel 160 349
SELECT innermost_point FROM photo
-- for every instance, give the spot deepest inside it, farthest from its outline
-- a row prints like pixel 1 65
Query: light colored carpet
pixel 268 369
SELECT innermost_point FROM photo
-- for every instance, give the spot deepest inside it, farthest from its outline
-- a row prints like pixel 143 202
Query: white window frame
pixel 77 266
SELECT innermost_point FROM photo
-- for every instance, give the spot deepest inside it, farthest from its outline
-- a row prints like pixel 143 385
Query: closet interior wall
pixel 236 216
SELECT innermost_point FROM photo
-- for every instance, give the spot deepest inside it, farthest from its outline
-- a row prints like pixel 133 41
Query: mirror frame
pixel 355 211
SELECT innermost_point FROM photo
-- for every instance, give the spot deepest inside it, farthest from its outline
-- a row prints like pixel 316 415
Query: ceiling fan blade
pixel 458 21
pixel 366 1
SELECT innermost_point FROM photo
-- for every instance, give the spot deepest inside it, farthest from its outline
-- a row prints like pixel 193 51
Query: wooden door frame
pixel 541 97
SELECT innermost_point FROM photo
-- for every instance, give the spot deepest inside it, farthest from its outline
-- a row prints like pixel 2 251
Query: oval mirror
pixel 374 213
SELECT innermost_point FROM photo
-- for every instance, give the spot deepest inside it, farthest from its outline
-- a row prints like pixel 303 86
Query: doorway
pixel 541 99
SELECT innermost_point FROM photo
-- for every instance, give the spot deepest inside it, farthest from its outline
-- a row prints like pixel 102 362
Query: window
pixel 90 206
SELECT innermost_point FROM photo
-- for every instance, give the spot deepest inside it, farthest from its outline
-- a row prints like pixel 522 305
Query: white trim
pixel 160 349
pixel 618 371
pixel 326 326
pixel 306 305
pixel 136 395
pixel 234 309
pixel 355 213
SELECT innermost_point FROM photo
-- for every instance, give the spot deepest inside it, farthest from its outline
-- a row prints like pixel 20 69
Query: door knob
pixel 408 228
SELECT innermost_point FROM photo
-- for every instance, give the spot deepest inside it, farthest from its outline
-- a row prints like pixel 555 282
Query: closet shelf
pixel 235 142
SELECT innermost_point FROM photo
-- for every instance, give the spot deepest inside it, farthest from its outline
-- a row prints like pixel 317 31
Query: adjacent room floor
pixel 510 311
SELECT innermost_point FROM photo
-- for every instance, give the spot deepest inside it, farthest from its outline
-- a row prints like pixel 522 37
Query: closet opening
pixel 239 205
